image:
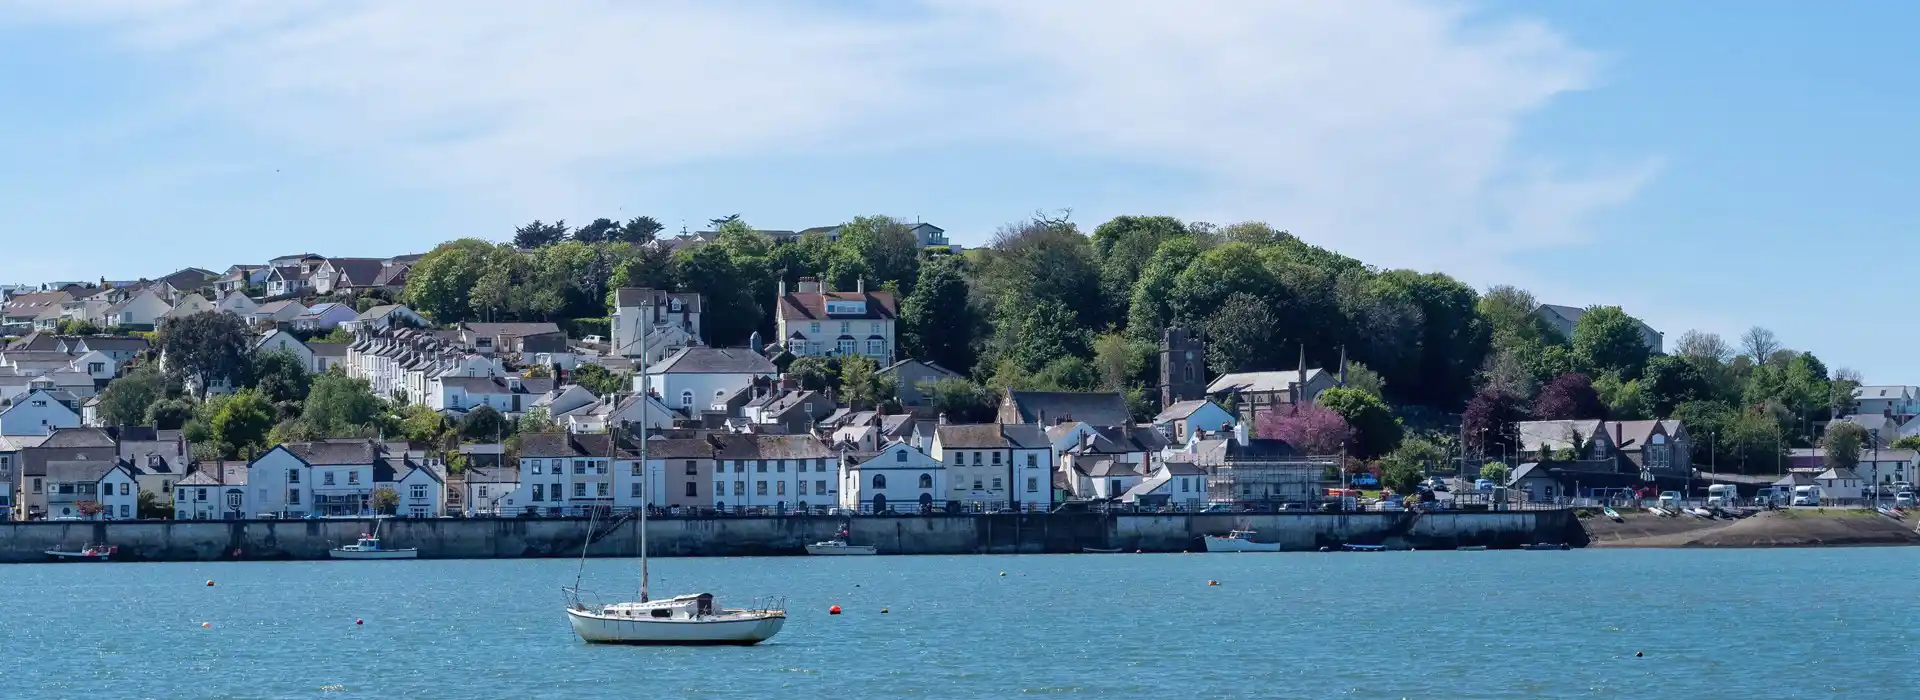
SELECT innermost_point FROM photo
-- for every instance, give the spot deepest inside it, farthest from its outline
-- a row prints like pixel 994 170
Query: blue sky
pixel 1705 165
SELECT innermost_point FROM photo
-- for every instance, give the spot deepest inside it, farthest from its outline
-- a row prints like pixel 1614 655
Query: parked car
pixel 1483 485
pixel 1904 499
pixel 1438 484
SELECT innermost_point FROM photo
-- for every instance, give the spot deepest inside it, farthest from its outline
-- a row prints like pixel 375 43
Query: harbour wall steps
pixel 499 538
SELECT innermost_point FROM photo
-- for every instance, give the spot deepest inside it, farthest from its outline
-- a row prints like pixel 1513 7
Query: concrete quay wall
pixel 489 538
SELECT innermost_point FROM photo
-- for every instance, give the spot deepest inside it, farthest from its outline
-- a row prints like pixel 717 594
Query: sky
pixel 1709 165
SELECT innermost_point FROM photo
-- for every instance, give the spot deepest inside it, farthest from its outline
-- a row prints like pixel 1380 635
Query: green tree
pixel 1910 442
pixel 1119 362
pixel 422 424
pixel 242 421
pixel 1242 334
pixel 1453 340
pixel 1608 340
pixel 483 424
pixel 640 230
pixel 1375 431
pixel 167 414
pixel 73 326
pixel 1363 379
pixel 279 375
pixel 599 231
pixel 206 348
pixel 961 401
pixel 1048 331
pixel 1495 472
pixel 126 400
pixel 1045 261
pixel 1150 305
pixel 1205 286
pixel 537 235
pixel 502 290
pixel 1123 246
pixel 937 319
pixel 440 283
pixel 731 314
pixel 1842 443
pixel 860 385
pixel 815 373
pixel 338 406
pixel 150 507
pixel 533 420
pixel 600 380
pixel 1624 398
pixel 1670 381
pixel 384 501
pixel 878 249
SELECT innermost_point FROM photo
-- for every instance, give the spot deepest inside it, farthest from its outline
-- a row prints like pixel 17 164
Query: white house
pixel 423 491
pixel 491 490
pixel 813 321
pixel 190 304
pixel 695 378
pixel 996 465
pixel 1172 482
pixel 215 491
pixel 670 321
pixel 277 340
pixel 562 473
pixel 324 316
pixel 70 484
pixel 1841 484
pixel 334 477
pixel 119 349
pixel 40 412
pixel 898 477
pixel 773 471
pixel 509 395
pixel 1183 418
pixel 237 304
pixel 142 310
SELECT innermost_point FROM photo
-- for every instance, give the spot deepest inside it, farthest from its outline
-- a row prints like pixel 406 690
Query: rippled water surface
pixel 1712 624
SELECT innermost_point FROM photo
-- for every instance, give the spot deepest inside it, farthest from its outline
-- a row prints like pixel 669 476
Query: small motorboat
pixel 91 552
pixel 1545 547
pixel 368 547
pixel 1097 550
pixel 839 548
pixel 1612 514
pixel 1239 541
pixel 1889 512
pixel 1471 548
pixel 1363 547
pixel 1702 513
pixel 1656 510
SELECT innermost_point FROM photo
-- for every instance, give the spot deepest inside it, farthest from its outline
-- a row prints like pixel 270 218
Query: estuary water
pixel 1711 624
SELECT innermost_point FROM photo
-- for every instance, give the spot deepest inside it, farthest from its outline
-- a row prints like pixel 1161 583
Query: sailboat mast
pixel 646 474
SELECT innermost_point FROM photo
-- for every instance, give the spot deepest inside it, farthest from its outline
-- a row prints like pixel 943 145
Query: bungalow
pixel 912 376
pixel 1841 485
pixel 278 312
pixel 324 316
pixel 899 477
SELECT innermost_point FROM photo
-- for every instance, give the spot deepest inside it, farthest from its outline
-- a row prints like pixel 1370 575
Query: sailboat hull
pixel 740 629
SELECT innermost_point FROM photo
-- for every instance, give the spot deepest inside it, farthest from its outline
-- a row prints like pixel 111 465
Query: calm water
pixel 1713 624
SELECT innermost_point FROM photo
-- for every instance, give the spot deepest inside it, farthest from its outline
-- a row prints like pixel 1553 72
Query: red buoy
pixel 835 610
pixel 358 621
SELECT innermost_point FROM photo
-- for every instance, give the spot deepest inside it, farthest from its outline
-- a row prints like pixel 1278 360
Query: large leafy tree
pixel 1570 396
pixel 960 401
pixel 937 320
pixel 1123 246
pixel 1150 306
pixel 205 348
pixel 1203 288
pixel 1375 430
pixel 880 249
pixel 1243 334
pixel 279 375
pixel 861 384
pixel 599 231
pixel 339 406
pixel 731 313
pixel 1606 339
pixel 1453 340
pixel 1042 261
pixel 1309 428
pixel 639 230
pixel 127 399
pixel 483 423
pixel 1842 444
pixel 1488 422
pixel 439 284
pixel 1670 381
pixel 242 421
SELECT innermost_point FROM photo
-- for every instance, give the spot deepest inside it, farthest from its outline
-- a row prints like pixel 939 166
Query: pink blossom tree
pixel 1311 428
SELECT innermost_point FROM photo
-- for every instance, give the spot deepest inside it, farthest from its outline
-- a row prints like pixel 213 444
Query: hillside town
pixel 313 386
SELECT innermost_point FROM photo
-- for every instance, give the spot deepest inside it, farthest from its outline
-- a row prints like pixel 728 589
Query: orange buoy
pixel 835 610
pixel 206 624
pixel 209 583
pixel 1211 582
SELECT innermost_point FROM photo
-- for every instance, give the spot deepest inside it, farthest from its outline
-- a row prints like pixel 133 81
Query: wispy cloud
pixel 1385 129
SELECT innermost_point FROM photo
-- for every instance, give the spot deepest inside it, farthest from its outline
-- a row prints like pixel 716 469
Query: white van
pixel 1670 500
pixel 1723 496
pixel 1806 495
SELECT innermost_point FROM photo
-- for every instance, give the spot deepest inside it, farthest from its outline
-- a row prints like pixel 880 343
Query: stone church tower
pixel 1183 367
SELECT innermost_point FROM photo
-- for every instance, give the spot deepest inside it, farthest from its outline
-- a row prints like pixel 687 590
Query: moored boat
pixel 1097 550
pixel 1239 541
pixel 369 547
pixel 839 548
pixel 1612 514
pixel 91 552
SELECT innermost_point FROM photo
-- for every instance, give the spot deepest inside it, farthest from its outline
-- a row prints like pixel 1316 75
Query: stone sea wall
pixel 942 534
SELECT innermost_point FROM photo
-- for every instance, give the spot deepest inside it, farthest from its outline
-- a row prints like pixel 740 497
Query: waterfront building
pixel 91 490
pixel 899 477
pixel 993 465
pixel 486 490
pixel 773 471
pixel 214 491
pixel 27 457
pixel 567 473
pixel 679 473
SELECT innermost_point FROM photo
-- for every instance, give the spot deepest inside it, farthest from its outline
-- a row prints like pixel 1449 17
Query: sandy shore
pixel 1794 528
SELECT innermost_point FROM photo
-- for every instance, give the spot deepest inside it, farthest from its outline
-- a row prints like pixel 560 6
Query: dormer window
pixel 846 308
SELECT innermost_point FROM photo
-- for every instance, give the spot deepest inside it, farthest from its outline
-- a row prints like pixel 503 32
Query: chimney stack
pixel 860 285
pixel 783 288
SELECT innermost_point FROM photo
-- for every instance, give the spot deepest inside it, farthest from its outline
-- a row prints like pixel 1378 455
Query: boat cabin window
pixel 662 612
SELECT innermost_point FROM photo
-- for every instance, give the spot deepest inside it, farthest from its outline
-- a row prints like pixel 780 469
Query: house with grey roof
pixel 996 465
pixel 668 320
pixel 1899 402
pixel 1562 319
pixel 1183 418
pixel 1256 393
pixel 912 376
pixel 1051 407
pixel 696 378
pixel 90 490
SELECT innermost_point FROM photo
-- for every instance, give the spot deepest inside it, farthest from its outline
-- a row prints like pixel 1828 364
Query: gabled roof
pixel 328 349
pixel 1046 407
pixel 982 436
pixel 700 359
pixel 518 330
pixel 84 471
pixel 1260 382
pixel 812 306
pixel 359 271
pixel 335 452
pixel 1837 474
pixel 1180 410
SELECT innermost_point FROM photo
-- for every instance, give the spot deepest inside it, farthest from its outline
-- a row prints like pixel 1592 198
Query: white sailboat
pixel 681 620
pixel 368 547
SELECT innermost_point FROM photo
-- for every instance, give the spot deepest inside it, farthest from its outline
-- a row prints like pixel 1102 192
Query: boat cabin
pixel 686 607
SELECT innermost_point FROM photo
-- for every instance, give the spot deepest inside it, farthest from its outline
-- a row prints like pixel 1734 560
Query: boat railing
pixel 581 598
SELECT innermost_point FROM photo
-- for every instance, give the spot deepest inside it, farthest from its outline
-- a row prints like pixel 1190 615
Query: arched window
pixel 686 399
pixel 879 481
pixel 926 481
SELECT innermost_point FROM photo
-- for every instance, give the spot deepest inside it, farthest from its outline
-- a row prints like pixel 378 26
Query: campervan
pixel 1670 500
pixel 1723 496
pixel 1806 495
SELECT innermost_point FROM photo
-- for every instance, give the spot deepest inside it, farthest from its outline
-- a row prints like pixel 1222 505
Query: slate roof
pixel 85 471
pixel 700 359
pixel 106 343
pixel 518 330
pixel 772 447
pixel 359 272
pixel 335 452
pixel 1046 407
pixel 680 448
pixel 812 306
pixel 634 296
pixel 1259 382
pixel 78 437
pixel 492 475
pixel 970 437
pixel 570 445
pixel 1179 410
pixel 328 349
pixel 498 385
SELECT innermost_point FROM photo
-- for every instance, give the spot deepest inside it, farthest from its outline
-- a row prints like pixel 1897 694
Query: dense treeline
pixel 1048 306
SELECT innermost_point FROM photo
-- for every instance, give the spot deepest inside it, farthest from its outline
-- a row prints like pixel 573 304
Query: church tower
pixel 1183 367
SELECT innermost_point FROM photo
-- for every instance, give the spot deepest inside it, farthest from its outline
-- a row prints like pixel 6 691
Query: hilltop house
pixel 814 321
pixel 1563 319
pixel 669 320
